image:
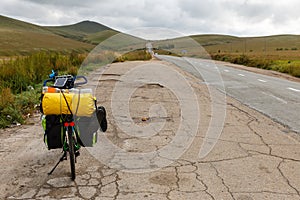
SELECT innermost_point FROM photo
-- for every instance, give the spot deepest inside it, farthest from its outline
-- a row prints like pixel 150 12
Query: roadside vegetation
pixel 139 54
pixel 279 53
pixel 21 80
pixel 29 52
pixel 291 67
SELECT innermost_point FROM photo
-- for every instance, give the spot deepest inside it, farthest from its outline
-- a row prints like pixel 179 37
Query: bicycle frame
pixel 70 139
pixel 67 126
pixel 70 144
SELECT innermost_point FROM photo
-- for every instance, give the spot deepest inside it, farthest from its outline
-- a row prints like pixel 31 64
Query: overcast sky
pixel 233 17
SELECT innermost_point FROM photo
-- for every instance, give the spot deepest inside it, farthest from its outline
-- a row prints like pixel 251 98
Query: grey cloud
pixel 252 12
pixel 65 3
pixel 200 9
pixel 189 16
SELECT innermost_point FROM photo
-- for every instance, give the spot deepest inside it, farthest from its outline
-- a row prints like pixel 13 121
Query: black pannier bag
pixel 88 126
pixel 53 132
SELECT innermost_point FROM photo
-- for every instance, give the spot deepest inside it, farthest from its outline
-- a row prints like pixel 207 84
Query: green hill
pixel 84 27
pixel 16 25
pixel 21 38
pixel 211 39
pixel 99 37
pixel 86 31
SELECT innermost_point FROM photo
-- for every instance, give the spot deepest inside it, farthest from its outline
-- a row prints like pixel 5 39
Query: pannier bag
pixel 53 131
pixel 81 102
pixel 87 128
pixel 88 118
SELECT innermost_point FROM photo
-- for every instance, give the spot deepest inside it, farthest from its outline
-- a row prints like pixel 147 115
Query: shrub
pixel 8 111
pixel 17 74
pixel 295 71
pixel 242 60
pixel 140 54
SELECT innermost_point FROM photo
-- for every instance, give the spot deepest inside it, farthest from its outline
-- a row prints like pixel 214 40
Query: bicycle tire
pixel 71 153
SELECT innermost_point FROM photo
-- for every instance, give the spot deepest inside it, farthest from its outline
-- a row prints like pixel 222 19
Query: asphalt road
pixel 274 97
pixel 254 157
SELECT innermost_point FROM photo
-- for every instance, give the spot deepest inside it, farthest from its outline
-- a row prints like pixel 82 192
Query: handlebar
pixel 47 81
pixel 67 80
pixel 80 83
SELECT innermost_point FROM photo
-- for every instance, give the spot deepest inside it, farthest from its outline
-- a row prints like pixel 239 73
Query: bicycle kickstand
pixel 60 160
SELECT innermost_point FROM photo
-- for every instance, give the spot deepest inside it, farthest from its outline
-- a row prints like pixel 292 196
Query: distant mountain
pixel 82 31
pixel 84 27
pixel 213 39
pixel 7 23
pixel 22 38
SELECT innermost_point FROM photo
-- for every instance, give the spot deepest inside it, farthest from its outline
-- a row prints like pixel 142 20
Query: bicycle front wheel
pixel 71 152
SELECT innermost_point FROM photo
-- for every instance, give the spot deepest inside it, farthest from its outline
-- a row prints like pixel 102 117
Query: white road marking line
pixel 225 70
pixel 293 89
pixel 238 87
pixel 277 98
pixel 262 80
pixel 241 74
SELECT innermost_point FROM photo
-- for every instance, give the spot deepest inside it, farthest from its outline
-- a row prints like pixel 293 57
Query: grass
pixel 86 31
pixel 83 28
pixel 20 72
pixel 21 38
pixel 7 23
pixel 29 53
pixel 99 37
pixel 21 78
pixel 25 43
pixel 256 45
pixel 16 108
pixel 139 54
pixel 289 67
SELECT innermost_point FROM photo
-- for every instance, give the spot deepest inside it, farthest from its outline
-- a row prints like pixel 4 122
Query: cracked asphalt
pixel 254 158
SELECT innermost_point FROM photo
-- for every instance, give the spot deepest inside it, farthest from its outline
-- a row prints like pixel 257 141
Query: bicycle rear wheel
pixel 71 152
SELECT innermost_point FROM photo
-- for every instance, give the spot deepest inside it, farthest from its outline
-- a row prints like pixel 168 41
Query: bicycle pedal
pixel 77 153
